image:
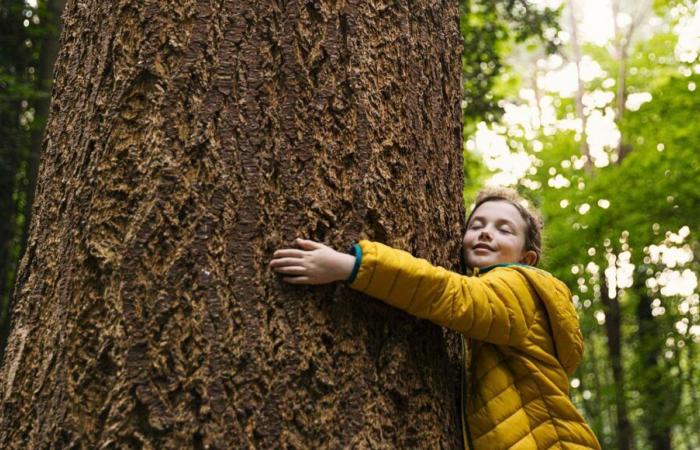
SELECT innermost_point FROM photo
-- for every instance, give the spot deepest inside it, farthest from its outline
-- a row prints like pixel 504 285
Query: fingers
pixel 291 270
pixel 307 245
pixel 283 262
pixel 288 253
pixel 298 280
pixel 303 244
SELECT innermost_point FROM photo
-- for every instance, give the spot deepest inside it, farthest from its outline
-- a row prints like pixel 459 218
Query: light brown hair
pixel 533 221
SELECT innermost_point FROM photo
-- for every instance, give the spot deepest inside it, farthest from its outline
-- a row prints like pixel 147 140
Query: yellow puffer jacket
pixel 526 343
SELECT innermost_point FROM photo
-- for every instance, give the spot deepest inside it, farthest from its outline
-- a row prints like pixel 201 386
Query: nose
pixel 484 234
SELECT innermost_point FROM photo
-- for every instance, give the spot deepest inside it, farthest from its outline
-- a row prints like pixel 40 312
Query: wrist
pixel 345 265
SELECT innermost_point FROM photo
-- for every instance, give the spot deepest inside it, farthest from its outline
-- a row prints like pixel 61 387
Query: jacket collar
pixel 479 271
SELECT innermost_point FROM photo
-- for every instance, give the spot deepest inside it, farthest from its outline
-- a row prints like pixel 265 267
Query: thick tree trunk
pixel 185 143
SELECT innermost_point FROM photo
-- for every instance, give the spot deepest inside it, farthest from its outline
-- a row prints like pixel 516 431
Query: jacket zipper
pixel 466 432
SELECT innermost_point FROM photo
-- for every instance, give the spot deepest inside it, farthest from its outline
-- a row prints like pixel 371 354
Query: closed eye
pixel 476 223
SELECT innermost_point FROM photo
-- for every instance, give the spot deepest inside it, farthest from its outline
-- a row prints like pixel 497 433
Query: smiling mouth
pixel 482 246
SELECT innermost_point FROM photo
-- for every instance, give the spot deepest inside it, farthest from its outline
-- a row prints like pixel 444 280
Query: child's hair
pixel 533 232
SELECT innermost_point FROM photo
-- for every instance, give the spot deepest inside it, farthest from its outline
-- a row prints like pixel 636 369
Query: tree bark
pixel 188 141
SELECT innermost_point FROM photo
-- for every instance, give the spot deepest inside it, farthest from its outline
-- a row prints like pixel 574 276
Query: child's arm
pixel 497 308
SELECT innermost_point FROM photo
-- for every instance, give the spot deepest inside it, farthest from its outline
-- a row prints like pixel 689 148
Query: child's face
pixel 496 234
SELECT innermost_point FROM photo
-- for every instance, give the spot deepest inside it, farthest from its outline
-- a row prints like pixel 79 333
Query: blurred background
pixel 590 109
pixel 602 135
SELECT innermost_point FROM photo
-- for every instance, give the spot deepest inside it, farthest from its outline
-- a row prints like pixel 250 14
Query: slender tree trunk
pixel 580 89
pixel 621 59
pixel 538 92
pixel 10 147
pixel 659 392
pixel 600 409
pixel 614 334
pixel 623 148
pixel 14 61
pixel 9 161
pixel 623 41
pixel 186 142
pixel 692 388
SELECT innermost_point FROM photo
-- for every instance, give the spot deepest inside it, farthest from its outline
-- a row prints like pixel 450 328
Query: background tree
pixel 14 90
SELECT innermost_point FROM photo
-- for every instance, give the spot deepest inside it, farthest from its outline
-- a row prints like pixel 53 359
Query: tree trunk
pixel 613 330
pixel 580 88
pixel 660 391
pixel 185 143
pixel 622 43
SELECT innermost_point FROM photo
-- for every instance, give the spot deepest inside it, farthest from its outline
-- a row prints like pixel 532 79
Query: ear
pixel 529 257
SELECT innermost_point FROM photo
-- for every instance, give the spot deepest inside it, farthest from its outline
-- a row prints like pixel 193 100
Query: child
pixel 526 338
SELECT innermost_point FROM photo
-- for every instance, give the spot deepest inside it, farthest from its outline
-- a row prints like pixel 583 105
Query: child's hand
pixel 315 263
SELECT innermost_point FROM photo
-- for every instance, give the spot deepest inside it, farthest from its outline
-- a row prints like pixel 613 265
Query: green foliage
pixel 488 28
pixel 657 180
pixel 662 6
pixel 475 173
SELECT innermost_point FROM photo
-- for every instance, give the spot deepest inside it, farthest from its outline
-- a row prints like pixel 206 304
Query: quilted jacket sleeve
pixel 497 307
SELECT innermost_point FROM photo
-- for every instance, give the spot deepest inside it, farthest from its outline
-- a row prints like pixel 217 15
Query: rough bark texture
pixel 186 142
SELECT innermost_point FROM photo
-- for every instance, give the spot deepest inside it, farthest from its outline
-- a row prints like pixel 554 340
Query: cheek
pixel 467 239
pixel 466 243
pixel 516 245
